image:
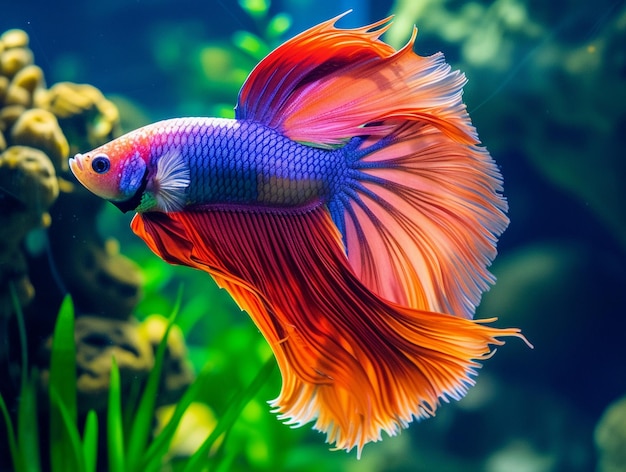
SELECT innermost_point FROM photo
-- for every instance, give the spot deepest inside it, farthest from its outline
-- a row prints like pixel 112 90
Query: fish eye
pixel 101 164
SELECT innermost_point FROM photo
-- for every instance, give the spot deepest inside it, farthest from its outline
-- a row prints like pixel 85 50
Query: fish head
pixel 116 171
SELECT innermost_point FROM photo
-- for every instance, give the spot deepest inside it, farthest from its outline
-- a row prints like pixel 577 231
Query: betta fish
pixel 348 208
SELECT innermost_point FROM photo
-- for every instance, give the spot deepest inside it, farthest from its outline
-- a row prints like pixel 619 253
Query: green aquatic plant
pixel 23 443
pixel 208 73
pixel 129 442
pixel 271 29
pixel 65 444
pixel 68 451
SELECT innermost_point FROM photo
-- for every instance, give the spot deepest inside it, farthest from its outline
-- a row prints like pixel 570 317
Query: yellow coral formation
pixel 9 115
pixel 4 85
pixel 27 175
pixel 98 340
pixel 14 38
pixel 12 60
pixel 104 284
pixel 35 149
pixel 28 184
pixel 40 129
pixel 28 187
pixel 14 52
pixel 70 101
pixel 16 95
pixel 30 78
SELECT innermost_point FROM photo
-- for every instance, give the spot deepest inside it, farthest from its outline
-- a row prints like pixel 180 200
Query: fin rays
pixel 351 362
pixel 422 220
pixel 421 211
pixel 297 61
pixel 171 179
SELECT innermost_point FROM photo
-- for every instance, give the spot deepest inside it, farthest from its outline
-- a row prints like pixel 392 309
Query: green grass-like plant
pixel 65 444
pixel 129 442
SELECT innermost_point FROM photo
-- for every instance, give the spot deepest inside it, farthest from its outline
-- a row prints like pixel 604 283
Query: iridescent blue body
pixel 244 162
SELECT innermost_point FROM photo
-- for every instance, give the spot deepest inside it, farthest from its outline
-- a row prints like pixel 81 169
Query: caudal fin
pixel 422 210
pixel 420 218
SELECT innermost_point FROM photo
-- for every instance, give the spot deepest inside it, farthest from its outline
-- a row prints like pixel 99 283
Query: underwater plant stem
pixel 115 433
pixel 62 388
pixel 26 447
pixel 15 456
pixel 231 414
pixel 73 438
pixel 90 442
pixel 160 444
pixel 142 424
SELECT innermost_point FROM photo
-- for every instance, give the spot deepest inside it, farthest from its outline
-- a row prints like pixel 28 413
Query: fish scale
pixel 244 162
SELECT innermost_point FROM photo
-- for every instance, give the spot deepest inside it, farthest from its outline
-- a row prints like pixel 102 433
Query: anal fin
pixel 352 362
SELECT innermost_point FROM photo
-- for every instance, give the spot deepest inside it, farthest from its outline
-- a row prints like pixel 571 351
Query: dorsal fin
pixel 303 59
pixel 324 85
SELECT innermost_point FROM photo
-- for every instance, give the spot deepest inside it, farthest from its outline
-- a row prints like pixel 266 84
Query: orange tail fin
pixel 350 361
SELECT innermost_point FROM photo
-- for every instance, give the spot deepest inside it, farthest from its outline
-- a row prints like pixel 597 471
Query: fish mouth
pixel 76 163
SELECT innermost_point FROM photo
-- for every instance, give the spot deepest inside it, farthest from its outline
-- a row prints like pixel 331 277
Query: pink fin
pixel 422 220
pixel 424 213
pixel 352 362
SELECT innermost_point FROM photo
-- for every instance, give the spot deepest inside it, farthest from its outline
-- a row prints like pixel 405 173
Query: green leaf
pixel 24 449
pixel 142 424
pixel 115 434
pixel 131 400
pixel 27 426
pixel 227 461
pixel 231 414
pixel 71 433
pixel 63 383
pixel 255 8
pixel 90 442
pixel 278 25
pixel 160 445
pixel 15 455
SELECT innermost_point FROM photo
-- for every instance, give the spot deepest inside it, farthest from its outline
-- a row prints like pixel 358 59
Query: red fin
pixel 324 85
pixel 352 362
pixel 166 237
pixel 315 52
